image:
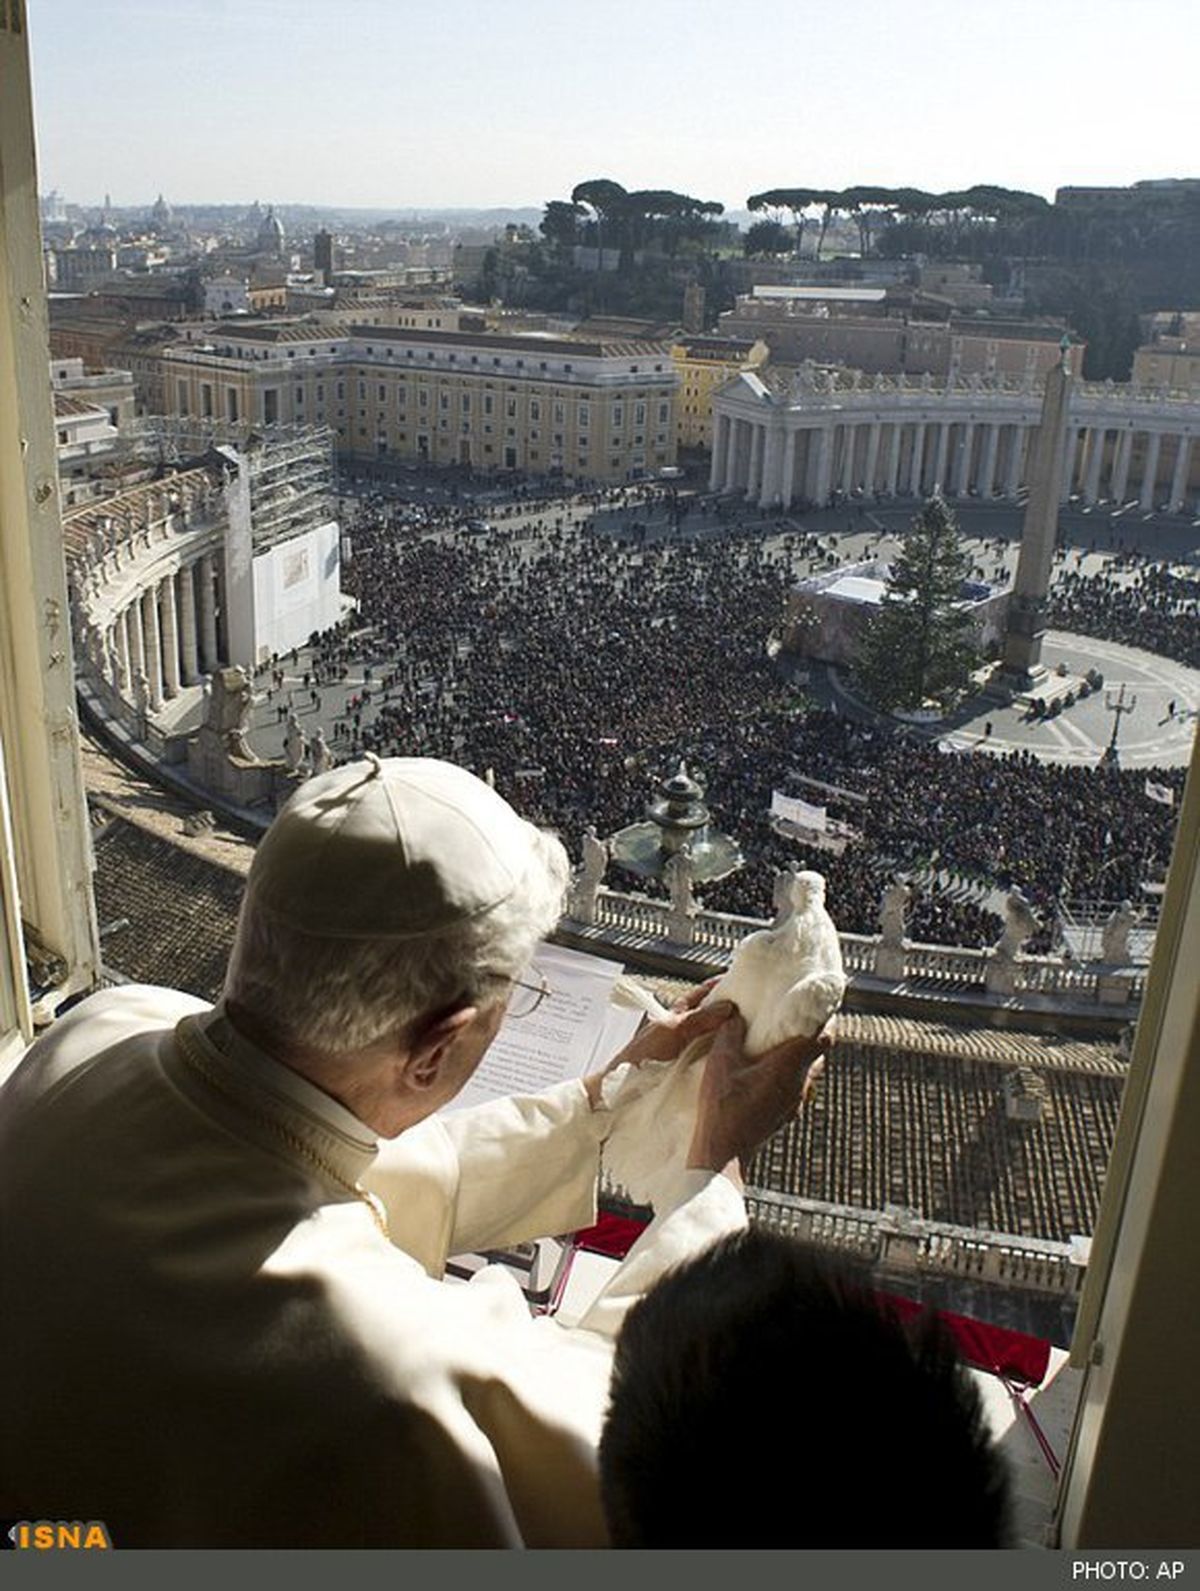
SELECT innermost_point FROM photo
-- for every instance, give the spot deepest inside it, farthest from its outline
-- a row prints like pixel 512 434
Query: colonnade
pixel 167 636
pixel 147 580
pixel 778 453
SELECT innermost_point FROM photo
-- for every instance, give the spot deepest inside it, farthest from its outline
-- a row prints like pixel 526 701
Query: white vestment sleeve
pixel 498 1173
pixel 527 1167
pixel 695 1209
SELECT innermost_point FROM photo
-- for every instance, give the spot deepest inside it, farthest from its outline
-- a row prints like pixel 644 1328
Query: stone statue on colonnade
pixel 892 910
pixel 588 880
pixel 1020 925
pixel 1114 939
pixel 228 717
pixel 294 745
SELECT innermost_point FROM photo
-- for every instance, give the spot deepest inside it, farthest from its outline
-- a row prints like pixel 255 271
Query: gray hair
pixel 337 996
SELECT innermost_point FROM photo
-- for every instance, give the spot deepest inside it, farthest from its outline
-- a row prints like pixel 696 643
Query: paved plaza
pixel 1151 734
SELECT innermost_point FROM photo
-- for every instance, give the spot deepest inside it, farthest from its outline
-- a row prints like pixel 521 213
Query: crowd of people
pixel 581 669
pixel 1134 600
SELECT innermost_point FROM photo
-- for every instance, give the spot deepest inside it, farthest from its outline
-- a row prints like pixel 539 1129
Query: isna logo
pixel 59 1535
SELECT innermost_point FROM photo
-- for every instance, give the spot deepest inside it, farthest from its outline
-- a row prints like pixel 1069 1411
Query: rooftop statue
pixel 678 876
pixel 1020 924
pixel 293 742
pixel 1114 939
pixel 891 914
pixel 595 857
pixel 582 905
pixel 229 699
pixel 320 759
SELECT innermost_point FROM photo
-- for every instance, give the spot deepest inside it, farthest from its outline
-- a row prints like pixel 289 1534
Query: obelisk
pixel 1025 627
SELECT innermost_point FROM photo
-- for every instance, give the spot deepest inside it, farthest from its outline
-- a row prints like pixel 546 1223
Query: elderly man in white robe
pixel 223 1228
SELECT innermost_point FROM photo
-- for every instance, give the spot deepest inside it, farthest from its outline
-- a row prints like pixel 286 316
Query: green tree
pixel 606 200
pixel 560 223
pixel 917 647
pixel 766 237
pixel 798 200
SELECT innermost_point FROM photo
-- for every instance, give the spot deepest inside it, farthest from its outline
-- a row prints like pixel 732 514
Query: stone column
pixel 962 475
pixel 758 436
pixel 723 457
pixel 823 478
pixel 1016 463
pixel 917 460
pixel 771 488
pixel 893 468
pixel 1120 482
pixel 208 616
pixel 1150 473
pixel 849 443
pixel 991 447
pixel 1179 480
pixel 187 625
pixel 871 475
pixel 720 431
pixel 769 484
pixel 791 441
pixel 940 482
pixel 714 463
pixel 137 639
pixel 150 628
pixel 124 681
pixel 170 637
pixel 729 456
pixel 1095 458
pixel 730 463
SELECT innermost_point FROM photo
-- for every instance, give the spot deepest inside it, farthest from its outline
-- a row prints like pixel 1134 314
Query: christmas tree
pixel 917 647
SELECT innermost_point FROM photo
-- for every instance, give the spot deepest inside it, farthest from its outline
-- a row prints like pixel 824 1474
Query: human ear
pixel 432 1042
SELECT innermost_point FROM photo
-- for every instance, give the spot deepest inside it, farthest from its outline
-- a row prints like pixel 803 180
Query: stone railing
pixel 904 1243
pixel 105 701
pixel 101 538
pixel 853 386
pixel 705 938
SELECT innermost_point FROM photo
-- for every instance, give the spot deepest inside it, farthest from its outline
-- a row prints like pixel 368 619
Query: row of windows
pixel 431 355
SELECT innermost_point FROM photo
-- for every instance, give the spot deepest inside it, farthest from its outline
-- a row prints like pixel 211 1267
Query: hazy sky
pixel 511 102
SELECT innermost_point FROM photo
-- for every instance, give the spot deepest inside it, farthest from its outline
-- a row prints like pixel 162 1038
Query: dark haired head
pixel 763 1397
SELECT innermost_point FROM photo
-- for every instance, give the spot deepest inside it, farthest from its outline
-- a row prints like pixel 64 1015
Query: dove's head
pixel 808 889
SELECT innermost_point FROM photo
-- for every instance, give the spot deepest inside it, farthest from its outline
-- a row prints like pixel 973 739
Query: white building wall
pixel 297 589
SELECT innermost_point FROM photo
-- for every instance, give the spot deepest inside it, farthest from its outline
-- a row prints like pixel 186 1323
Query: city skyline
pixel 214 102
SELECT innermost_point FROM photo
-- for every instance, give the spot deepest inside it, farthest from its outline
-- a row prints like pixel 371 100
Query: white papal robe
pixel 208 1339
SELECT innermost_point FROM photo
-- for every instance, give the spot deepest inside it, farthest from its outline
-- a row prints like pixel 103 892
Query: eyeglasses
pixel 525 998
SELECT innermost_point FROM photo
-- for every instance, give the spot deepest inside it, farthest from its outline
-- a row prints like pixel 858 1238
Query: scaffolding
pixel 291 468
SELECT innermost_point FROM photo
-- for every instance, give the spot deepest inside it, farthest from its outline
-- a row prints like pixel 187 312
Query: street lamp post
pixel 1117 706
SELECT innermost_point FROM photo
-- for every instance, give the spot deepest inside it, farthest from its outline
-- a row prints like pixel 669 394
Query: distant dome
pixel 271 235
pixel 160 214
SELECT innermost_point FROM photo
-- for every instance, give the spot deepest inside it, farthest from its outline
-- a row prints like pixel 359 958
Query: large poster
pixel 297 590
pixel 295 567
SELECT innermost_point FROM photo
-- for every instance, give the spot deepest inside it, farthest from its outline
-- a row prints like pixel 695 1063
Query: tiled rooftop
pixel 914 1114
pixel 166 915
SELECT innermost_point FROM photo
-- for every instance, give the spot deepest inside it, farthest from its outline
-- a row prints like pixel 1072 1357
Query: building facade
pixel 539 405
pixel 859 329
pixel 1172 363
pixel 704 364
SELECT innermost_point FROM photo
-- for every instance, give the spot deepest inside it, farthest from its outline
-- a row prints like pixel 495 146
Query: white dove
pixel 787 981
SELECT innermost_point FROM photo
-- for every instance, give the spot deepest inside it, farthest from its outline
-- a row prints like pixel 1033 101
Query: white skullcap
pixel 390 848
